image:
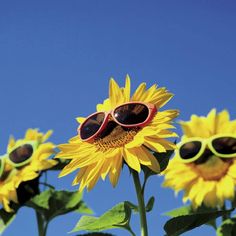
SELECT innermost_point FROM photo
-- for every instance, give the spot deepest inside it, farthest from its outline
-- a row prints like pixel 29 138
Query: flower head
pixel 24 160
pixel 208 174
pixel 116 143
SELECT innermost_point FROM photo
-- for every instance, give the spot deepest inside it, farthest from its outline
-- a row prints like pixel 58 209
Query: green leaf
pixel 41 201
pixel 84 209
pixel 184 223
pixel 185 210
pixel 5 219
pixel 150 204
pixel 51 203
pixel 116 217
pixel 227 228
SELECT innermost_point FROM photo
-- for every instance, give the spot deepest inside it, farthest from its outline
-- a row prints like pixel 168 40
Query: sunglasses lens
pixel 131 114
pixel 225 145
pixel 190 150
pixel 21 154
pixel 91 125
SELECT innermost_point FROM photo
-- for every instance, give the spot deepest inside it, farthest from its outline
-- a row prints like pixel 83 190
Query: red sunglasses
pixel 129 115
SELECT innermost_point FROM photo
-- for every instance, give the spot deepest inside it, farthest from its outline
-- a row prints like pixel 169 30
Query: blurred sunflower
pixel 7 187
pixel 204 165
pixel 123 130
pixel 24 160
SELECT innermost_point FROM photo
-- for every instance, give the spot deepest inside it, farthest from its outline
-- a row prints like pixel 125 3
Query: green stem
pixel 130 230
pixel 42 225
pixel 144 185
pixel 47 185
pixel 141 205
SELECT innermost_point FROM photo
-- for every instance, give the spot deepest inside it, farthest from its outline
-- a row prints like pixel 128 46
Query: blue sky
pixel 56 58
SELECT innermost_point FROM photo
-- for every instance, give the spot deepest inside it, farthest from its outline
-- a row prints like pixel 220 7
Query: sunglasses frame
pixel 205 142
pixel 151 108
pixel 34 145
pixel 2 165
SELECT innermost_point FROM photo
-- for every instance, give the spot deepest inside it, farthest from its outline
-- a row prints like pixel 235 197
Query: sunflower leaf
pixel 84 209
pixel 117 217
pixel 5 219
pixel 163 158
pixel 41 201
pixel 51 203
pixel 150 204
pixel 185 210
pixel 184 223
pixel 227 228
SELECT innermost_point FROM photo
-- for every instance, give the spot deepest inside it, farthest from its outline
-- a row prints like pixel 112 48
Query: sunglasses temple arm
pixel 3 156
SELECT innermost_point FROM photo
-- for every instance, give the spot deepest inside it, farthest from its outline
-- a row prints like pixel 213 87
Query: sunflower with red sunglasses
pixel 123 130
pixel 204 165
pixel 24 160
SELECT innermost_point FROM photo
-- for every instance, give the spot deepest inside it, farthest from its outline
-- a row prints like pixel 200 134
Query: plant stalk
pixel 141 204
pixel 42 226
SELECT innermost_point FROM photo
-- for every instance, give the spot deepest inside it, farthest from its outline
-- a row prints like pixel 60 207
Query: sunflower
pixel 14 174
pixel 106 155
pixel 211 179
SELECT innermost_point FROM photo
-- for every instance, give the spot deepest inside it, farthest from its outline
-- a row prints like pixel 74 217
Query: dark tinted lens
pixel 225 145
pixel 131 114
pixel 21 154
pixel 190 150
pixel 91 125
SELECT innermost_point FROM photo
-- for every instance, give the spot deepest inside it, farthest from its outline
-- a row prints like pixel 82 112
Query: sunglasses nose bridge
pixel 110 117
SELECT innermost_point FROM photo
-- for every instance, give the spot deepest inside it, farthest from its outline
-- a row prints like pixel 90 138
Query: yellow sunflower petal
pixel 127 89
pixel 79 176
pixel 80 119
pixel 106 106
pixel 154 165
pixel 139 92
pixel 115 170
pixel 47 136
pixel 115 93
pixel 132 160
pixel 105 169
pixel 79 163
pixel 11 142
pixel 225 188
pixel 211 198
pixel 152 144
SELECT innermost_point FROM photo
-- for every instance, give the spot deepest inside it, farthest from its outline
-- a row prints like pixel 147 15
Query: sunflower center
pixel 214 168
pixel 118 137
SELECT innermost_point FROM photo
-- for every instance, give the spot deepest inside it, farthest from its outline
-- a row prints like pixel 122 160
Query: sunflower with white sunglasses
pixel 24 161
pixel 204 165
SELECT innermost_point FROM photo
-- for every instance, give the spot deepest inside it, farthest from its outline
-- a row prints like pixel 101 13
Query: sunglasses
pixel 129 115
pixel 223 146
pixel 18 156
